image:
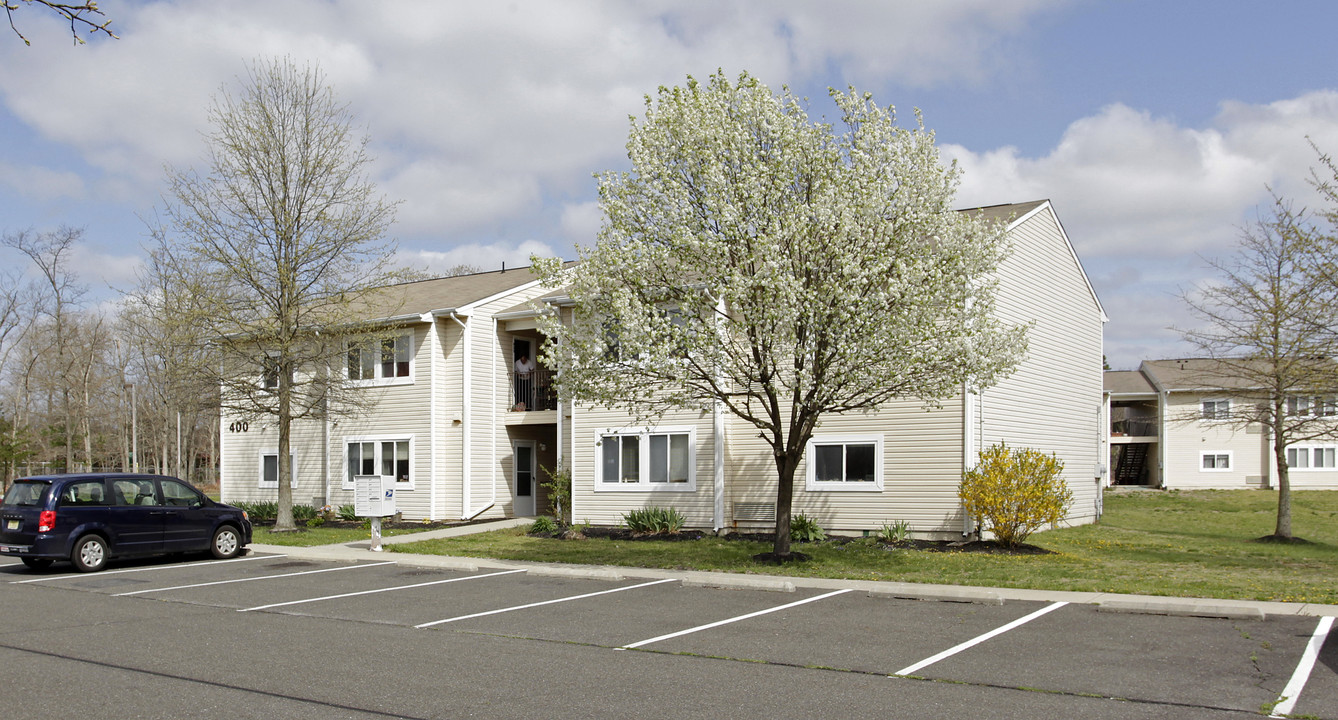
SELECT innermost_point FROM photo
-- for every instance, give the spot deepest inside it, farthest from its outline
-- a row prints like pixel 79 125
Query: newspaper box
pixel 374 495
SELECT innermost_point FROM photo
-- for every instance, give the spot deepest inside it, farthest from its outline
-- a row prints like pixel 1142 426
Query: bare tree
pixel 1267 325
pixel 85 16
pixel 276 246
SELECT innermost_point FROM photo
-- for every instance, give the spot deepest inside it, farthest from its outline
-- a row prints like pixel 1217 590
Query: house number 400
pixel 239 426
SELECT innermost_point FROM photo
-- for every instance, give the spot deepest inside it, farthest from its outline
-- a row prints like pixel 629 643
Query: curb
pixel 1181 609
pixel 742 582
pixel 960 595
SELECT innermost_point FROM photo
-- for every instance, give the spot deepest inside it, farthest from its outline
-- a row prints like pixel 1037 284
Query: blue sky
pixel 1154 127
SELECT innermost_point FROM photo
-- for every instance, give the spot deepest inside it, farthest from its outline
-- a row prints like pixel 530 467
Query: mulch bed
pixel 973 546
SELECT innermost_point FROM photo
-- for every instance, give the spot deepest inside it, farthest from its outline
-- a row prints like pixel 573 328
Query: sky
pixel 1157 129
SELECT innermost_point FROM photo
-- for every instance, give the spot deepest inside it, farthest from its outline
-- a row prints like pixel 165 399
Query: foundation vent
pixel 754 512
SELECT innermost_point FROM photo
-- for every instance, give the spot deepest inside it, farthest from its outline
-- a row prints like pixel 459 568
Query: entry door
pixel 522 481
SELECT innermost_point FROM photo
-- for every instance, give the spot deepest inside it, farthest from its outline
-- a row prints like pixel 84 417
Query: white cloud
pixel 41 184
pixel 485 257
pixel 1142 198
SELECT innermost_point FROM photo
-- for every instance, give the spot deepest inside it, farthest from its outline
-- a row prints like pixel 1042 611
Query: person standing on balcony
pixel 524 381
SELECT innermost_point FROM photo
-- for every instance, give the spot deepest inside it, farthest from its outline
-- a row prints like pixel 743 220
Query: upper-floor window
pixel 1216 409
pixel 1317 405
pixel 386 359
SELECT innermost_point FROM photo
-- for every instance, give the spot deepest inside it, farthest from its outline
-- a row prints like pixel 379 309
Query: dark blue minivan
pixel 92 517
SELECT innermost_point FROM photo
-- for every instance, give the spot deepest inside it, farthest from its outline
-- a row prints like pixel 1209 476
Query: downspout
pixel 718 428
pixel 432 349
pixel 464 421
pixel 968 444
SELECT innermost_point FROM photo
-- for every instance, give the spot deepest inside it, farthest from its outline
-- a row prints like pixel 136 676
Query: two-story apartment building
pixel 1173 424
pixel 466 423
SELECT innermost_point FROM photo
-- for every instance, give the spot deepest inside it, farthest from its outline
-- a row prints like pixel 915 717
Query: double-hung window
pixel 269 469
pixel 1312 457
pixel 1215 461
pixel 379 456
pixel 845 463
pixel 387 360
pixel 1216 409
pixel 657 459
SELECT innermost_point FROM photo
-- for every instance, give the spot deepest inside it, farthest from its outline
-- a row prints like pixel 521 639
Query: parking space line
pixel 727 621
pixel 380 590
pixel 980 639
pixel 261 577
pixel 546 602
pixel 1287 700
pixel 173 566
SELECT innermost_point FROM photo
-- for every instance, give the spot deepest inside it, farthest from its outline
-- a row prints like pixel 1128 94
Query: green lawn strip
pixel 1188 544
pixel 309 537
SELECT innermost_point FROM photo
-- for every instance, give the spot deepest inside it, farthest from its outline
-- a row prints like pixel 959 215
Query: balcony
pixel 533 391
pixel 1134 427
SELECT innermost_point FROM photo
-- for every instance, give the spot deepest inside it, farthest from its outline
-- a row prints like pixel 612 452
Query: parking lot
pixel 278 636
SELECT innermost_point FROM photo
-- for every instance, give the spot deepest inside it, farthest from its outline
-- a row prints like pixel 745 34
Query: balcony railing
pixel 533 390
pixel 1134 428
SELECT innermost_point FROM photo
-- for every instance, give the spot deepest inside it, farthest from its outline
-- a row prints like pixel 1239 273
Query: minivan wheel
pixel 90 554
pixel 37 563
pixel 226 543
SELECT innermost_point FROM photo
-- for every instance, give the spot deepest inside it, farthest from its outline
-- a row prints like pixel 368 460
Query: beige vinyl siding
pixel 449 442
pixel 1188 436
pixel 241 458
pixel 393 412
pixel 922 463
pixel 607 507
pixel 1053 401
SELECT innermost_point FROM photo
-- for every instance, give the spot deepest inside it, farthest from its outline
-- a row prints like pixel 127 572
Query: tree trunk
pixel 284 521
pixel 785 467
pixel 1284 524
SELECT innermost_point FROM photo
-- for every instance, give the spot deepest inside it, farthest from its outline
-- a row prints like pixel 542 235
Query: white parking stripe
pixel 1287 700
pixel 173 566
pixel 379 590
pixel 261 577
pixel 546 602
pixel 980 639
pixel 718 623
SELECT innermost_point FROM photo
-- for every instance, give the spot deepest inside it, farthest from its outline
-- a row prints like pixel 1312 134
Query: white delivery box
pixel 374 495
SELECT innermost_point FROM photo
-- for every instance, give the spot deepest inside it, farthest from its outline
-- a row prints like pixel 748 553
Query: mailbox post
pixel 374 497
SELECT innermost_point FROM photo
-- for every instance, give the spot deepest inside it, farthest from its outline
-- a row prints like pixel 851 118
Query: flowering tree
pixel 780 268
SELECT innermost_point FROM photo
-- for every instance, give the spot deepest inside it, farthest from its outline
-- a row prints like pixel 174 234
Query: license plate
pixel 11 524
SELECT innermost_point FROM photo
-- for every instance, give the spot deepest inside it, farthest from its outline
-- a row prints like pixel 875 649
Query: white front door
pixel 522 478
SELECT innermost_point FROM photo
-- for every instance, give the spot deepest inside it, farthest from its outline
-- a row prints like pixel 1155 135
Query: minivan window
pixel 84 492
pixel 26 494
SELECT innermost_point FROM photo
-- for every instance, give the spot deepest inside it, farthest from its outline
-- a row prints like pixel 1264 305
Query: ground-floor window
pixel 269 469
pixel 378 456
pixel 845 462
pixel 1312 457
pixel 1215 460
pixel 647 459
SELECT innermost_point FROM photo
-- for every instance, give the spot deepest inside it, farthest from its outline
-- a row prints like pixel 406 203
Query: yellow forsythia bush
pixel 1013 492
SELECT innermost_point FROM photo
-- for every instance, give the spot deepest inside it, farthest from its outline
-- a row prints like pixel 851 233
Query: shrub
pixel 544 525
pixel 1013 492
pixel 558 487
pixel 805 529
pixel 263 510
pixel 347 512
pixel 898 531
pixel 654 521
pixel 303 514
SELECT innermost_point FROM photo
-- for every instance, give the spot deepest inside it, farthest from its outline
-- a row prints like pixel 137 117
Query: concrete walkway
pixel 1109 602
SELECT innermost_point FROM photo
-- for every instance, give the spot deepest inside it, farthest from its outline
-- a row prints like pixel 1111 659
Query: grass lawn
pixel 312 536
pixel 1192 544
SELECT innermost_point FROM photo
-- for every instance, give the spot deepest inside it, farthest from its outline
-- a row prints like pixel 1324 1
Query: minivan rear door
pixel 19 513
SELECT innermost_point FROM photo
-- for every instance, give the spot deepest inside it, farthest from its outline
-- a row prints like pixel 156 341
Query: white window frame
pixel 643 483
pixel 1230 456
pixel 347 483
pixel 380 379
pixel 811 482
pixel 260 466
pixel 1218 414
pixel 1310 450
